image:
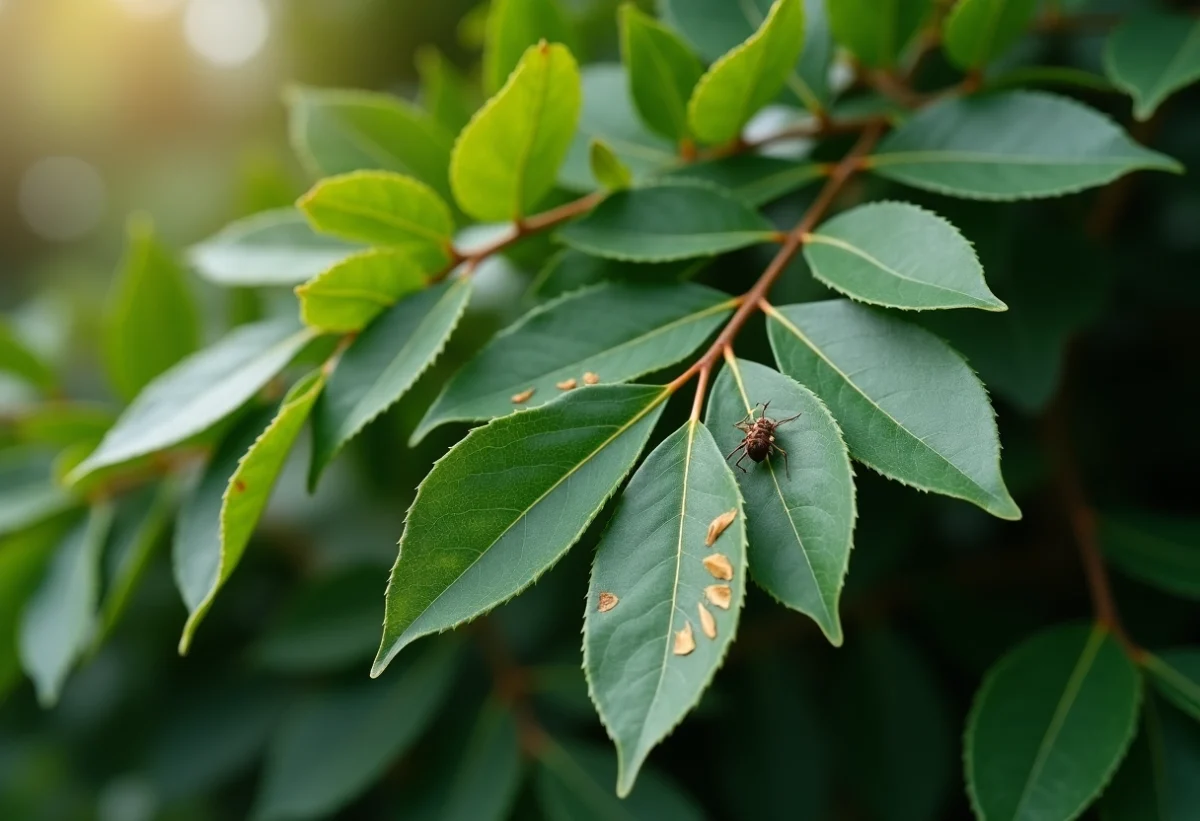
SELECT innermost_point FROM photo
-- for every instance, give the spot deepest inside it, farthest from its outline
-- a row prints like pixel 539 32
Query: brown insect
pixel 759 441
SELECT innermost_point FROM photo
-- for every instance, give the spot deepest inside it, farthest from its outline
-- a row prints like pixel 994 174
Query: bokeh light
pixel 226 33
pixel 146 8
pixel 62 198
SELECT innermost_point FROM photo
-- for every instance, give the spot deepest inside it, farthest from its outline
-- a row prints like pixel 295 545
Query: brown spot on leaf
pixel 522 397
pixel 707 623
pixel 717 526
pixel 607 602
pixel 719 594
pixel 239 486
pixel 684 642
pixel 566 384
pixel 719 566
pixel 590 378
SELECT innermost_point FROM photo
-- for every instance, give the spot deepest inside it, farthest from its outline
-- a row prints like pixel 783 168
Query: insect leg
pixel 789 419
pixel 738 463
pixel 735 450
pixel 787 470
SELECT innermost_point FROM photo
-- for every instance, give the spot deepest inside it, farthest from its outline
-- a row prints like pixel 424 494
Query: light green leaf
pixel 1159 550
pixel 901 256
pixel 515 25
pixel 615 331
pixel 138 528
pixel 507 158
pixel 665 222
pixel 799 516
pixel 1157 781
pixel 1012 145
pixel 382 364
pixel 662 72
pixel 338 131
pixel 979 31
pixel 23 559
pixel 16 358
pixel 1152 56
pixel 574 784
pixel 1050 724
pixel 273 248
pixel 649 657
pixel 336 743
pixel 748 77
pixel 1176 674
pixel 489 775
pixel 218 519
pixel 877 31
pixel 151 322
pixel 59 618
pixel 570 270
pixel 909 406
pixel 754 179
pixel 386 209
pixel 445 92
pixel 64 423
pixel 608 114
pixel 198 392
pixel 348 296
pixel 513 496
pixel 607 167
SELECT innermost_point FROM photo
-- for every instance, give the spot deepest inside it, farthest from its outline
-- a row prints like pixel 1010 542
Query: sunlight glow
pixel 226 33
pixel 147 8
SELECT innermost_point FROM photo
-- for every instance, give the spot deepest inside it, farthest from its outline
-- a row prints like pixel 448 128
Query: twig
pixel 512 686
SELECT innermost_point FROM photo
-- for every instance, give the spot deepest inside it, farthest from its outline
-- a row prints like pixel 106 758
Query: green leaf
pixel 489 775
pixel 514 496
pixel 515 25
pixel 607 167
pixel 662 72
pixel 648 657
pixel 348 296
pixel 59 618
pixel 23 558
pixel 27 494
pixel 198 392
pixel 138 528
pixel 909 406
pixel 1159 550
pixel 16 358
pixel 573 784
pixel 382 364
pixel 445 93
pixel 507 158
pixel 1023 76
pixel 665 222
pixel 218 519
pixel 64 423
pixel 1011 145
pixel 608 114
pixel 799 516
pixel 901 256
pixel 1176 674
pixel 383 208
pixel 337 743
pixel 151 322
pixel 1050 724
pixel 979 31
pixel 570 270
pixel 736 86
pixel 615 331
pixel 754 179
pixel 877 32
pixel 1157 781
pixel 337 131
pixel 1152 56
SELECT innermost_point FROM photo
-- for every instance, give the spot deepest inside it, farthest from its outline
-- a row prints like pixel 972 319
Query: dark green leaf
pixel 353 292
pixel 16 358
pixel 1050 724
pixel 138 528
pixel 489 775
pixel 515 25
pixel 754 179
pixel 1051 76
pixel 1159 550
pixel 512 497
pixel 569 270
pixel 28 496
pixel 877 32
pixel 617 332
pixel 1176 674
pixel 23 558
pixel 1152 56
pixel 662 72
pixel 979 31
pixel 1158 780
pixel 799 516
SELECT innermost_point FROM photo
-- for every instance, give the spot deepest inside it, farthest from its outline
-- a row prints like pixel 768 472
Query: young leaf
pixel 138 528
pixel 151 321
pixel 1157 781
pixel 910 407
pixel 799 516
pixel 515 25
pixel 901 256
pixel 382 364
pixel 752 178
pixel 607 167
pixel 573 784
pixel 1176 674
pixel 273 248
pixel 507 157
pixel 1159 550
pixel 651 558
pixel 383 208
pixel 338 131
pixel 749 76
pixel 353 292
pixel 979 31
pixel 1152 56
pixel 1012 145
pixel 662 72
pixel 217 521
pixel 877 32
pixel 16 358
pixel 23 559
pixel 665 222
pixel 616 331
pixel 335 744
pixel 445 93
pixel 198 392
pixel 512 497
pixel 489 775
pixel 58 620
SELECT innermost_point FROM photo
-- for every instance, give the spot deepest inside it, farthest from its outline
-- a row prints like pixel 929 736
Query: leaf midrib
pixel 388 218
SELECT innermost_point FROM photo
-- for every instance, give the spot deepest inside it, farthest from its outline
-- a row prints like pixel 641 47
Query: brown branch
pixel 512 686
